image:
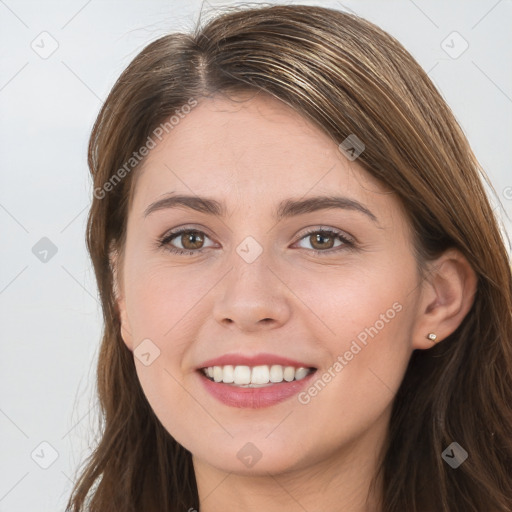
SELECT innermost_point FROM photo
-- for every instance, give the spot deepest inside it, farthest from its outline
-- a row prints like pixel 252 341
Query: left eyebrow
pixel 286 208
pixel 290 207
pixel 200 204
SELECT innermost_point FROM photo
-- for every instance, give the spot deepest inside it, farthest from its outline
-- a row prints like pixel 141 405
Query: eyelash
pixel 164 242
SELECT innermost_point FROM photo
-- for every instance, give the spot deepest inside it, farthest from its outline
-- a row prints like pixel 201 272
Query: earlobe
pixel 118 291
pixel 448 292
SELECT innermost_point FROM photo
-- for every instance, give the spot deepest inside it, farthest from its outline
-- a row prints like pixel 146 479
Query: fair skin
pixel 289 301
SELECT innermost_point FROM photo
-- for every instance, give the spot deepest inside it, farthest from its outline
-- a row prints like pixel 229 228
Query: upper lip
pixel 254 360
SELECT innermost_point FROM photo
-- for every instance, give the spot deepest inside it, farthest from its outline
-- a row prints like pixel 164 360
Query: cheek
pixel 363 321
pixel 348 301
pixel 160 297
pixel 162 306
pixel 367 358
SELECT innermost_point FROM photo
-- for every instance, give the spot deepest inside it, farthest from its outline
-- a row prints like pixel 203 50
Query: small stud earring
pixel 432 337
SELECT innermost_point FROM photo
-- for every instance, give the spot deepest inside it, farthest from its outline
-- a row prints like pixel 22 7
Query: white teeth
pixel 260 375
pixel 217 373
pixel 242 375
pixel 289 373
pixel 228 374
pixel 276 373
pixel 256 376
pixel 300 373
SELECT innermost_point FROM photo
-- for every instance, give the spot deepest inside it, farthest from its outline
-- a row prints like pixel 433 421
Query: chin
pixel 256 458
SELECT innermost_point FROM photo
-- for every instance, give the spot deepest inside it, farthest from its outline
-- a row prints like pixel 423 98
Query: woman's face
pixel 268 278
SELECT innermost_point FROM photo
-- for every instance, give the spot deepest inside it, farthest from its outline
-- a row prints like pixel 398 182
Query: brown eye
pixel 185 241
pixel 191 240
pixel 321 241
pixel 325 241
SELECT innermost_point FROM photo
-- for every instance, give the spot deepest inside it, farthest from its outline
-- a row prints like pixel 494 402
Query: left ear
pixel 119 297
pixel 447 294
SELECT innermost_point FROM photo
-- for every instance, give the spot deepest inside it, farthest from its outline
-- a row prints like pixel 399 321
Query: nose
pixel 252 297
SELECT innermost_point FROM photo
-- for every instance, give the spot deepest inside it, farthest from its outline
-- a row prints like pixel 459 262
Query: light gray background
pixel 50 315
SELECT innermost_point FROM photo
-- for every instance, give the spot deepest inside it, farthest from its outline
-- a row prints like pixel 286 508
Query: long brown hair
pixel 350 78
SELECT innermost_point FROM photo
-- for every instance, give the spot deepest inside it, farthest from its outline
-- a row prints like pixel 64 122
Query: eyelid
pixel 348 240
pixel 309 230
pixel 322 228
pixel 174 232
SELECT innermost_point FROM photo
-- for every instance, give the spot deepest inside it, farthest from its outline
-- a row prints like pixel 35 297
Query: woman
pixel 306 297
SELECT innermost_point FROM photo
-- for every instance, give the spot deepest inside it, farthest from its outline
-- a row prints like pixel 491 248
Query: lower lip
pixel 254 398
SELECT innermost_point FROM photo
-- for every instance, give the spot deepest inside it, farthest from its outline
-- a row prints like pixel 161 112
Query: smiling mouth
pixel 255 376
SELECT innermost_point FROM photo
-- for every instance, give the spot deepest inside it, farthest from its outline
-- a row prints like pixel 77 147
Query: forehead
pixel 250 149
